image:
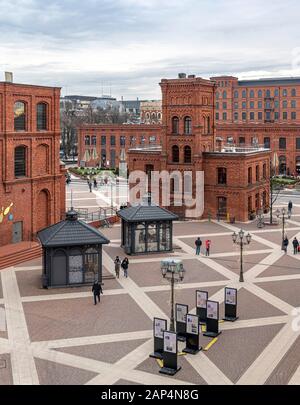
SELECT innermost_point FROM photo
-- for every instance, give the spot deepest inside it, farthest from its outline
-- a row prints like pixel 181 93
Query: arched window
pixel 187 154
pixel 175 154
pixel 236 94
pixel 260 93
pixel 252 94
pixel 41 116
pixel 175 125
pixel 244 93
pixel 187 125
pixel 20 161
pixel 268 93
pixel 217 95
pixel 87 140
pixel 224 94
pixel 208 125
pixel 19 116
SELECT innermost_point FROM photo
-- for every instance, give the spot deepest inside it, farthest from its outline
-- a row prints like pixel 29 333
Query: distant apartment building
pixel 151 112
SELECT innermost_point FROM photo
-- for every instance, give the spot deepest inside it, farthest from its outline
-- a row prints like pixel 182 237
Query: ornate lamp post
pixel 173 271
pixel 241 240
pixel 283 216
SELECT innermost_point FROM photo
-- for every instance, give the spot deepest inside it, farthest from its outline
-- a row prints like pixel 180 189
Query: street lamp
pixel 283 214
pixel 241 240
pixel 173 271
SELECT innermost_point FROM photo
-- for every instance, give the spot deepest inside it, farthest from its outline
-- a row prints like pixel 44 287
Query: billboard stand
pixel 192 334
pixel 159 326
pixel 170 354
pixel 230 304
pixel 181 311
pixel 212 321
pixel 201 310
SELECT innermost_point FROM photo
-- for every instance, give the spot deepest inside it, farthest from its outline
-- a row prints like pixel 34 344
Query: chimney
pixel 181 75
pixel 9 77
pixel 191 76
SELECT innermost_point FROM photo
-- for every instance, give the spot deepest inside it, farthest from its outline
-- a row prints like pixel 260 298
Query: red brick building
pixel 101 144
pixel 266 111
pixel 31 176
pixel 235 179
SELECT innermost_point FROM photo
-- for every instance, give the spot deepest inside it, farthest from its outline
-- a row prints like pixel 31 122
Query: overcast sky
pixel 129 45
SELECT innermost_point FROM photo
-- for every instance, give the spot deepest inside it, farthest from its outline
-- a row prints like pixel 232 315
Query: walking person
pixel 290 207
pixel 95 183
pixel 117 262
pixel 207 247
pixel 285 244
pixel 295 245
pixel 90 186
pixel 97 290
pixel 124 265
pixel 198 244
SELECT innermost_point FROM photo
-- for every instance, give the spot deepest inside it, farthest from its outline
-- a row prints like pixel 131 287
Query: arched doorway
pixel 43 210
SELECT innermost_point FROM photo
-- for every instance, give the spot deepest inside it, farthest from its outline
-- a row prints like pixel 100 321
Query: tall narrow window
pixel 187 125
pixel 41 117
pixel 257 173
pixel 249 175
pixel 20 161
pixel 19 116
pixel 187 154
pixel 175 125
pixel 264 171
pixel 222 175
pixel 175 154
pixel 87 140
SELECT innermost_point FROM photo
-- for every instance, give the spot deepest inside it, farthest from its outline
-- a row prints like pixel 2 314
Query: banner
pixel 170 342
pixel 181 312
pixel 212 310
pixel 201 299
pixel 160 325
pixel 230 296
pixel 192 324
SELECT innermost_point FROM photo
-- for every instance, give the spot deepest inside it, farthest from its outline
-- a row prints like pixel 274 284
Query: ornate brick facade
pixel 31 176
pixel 101 144
pixel 266 111
pixel 189 144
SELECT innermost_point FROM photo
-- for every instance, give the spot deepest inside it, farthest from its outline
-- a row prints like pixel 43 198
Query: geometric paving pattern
pixel 59 337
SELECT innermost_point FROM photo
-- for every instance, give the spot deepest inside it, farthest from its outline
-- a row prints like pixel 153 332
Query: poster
pixel 170 342
pixel 181 311
pixel 212 310
pixel 192 324
pixel 230 296
pixel 201 299
pixel 160 325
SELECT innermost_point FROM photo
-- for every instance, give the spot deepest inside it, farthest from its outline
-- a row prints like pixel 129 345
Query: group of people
pixel 198 244
pixel 90 184
pixel 121 264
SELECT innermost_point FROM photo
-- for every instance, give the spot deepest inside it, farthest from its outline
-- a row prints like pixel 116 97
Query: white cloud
pixel 134 43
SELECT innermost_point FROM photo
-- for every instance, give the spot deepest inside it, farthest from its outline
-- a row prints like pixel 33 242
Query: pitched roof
pixel 146 213
pixel 71 232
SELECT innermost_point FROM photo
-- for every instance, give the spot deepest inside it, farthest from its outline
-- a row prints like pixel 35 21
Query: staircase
pixel 17 253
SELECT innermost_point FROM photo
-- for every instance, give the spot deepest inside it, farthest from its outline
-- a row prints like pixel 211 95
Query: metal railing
pixel 102 213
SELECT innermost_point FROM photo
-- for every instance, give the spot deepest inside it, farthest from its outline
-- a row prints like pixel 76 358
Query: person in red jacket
pixel 207 247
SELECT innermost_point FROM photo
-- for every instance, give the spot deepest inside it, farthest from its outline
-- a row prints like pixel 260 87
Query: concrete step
pixel 15 256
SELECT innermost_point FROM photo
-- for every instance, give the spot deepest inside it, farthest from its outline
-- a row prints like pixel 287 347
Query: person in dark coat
pixel 198 243
pixel 290 207
pixel 124 265
pixel 90 186
pixel 97 290
pixel 117 262
pixel 285 244
pixel 295 245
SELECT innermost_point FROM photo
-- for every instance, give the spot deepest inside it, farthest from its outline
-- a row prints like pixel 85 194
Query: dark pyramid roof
pixel 71 232
pixel 146 213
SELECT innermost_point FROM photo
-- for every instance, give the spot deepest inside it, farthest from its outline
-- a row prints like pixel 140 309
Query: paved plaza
pixel 59 337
